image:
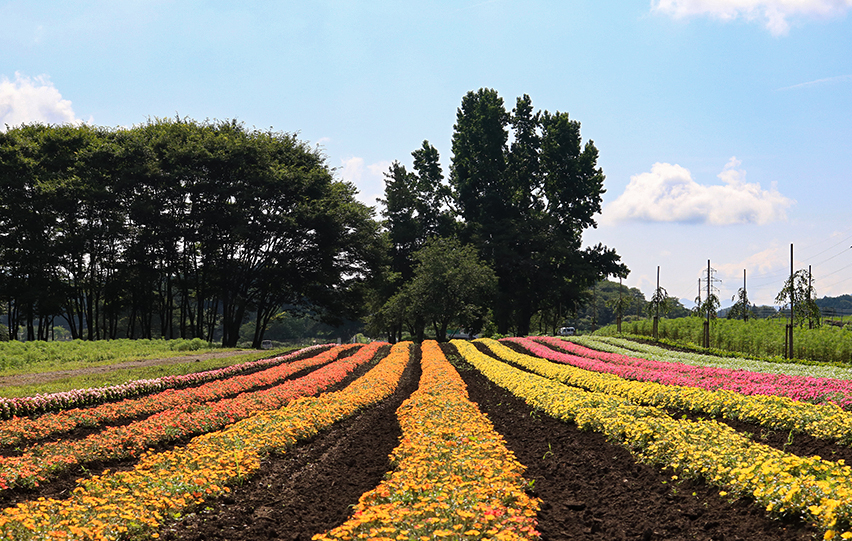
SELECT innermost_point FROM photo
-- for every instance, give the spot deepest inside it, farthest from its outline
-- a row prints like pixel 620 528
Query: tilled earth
pixel 590 489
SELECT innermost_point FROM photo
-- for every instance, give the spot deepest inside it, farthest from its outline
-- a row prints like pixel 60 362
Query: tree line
pixel 174 228
pixel 177 228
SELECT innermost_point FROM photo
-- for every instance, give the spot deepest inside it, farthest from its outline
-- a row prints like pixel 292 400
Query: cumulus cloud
pixel 669 194
pixel 33 99
pixel 368 178
pixel 766 261
pixel 774 14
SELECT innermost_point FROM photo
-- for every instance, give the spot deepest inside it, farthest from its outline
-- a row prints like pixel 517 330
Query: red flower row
pixel 42 460
pixel 20 430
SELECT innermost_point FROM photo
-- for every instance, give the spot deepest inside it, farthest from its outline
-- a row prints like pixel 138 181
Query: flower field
pixel 518 439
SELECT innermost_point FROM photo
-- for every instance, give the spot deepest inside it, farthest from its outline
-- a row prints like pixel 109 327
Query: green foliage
pixel 763 338
pixel 708 305
pixel 451 286
pixel 524 206
pixel 660 302
pixel 174 228
pixel 741 308
pixel 803 295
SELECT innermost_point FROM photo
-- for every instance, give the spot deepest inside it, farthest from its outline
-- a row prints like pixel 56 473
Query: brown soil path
pixel 46 377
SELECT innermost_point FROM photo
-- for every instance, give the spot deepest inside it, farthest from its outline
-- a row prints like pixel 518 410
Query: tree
pixel 709 305
pixel 451 286
pixel 414 211
pixel 175 226
pixel 525 206
pixel 803 298
pixel 741 309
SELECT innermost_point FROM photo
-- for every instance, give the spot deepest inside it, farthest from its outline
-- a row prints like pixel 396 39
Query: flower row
pixel 22 429
pixel 647 351
pixel 131 503
pixel 454 476
pixel 41 460
pixel 677 373
pixel 817 490
pixel 825 421
pixel 32 405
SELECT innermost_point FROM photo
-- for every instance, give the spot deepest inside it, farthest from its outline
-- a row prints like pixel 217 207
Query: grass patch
pixel 40 356
pixel 115 377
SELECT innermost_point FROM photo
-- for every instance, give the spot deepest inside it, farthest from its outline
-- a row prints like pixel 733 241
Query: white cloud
pixel 817 82
pixel 771 260
pixel 774 14
pixel 669 194
pixel 27 99
pixel 368 178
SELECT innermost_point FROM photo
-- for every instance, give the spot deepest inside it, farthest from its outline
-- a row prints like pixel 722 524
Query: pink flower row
pixel 40 403
pixel 801 388
pixel 40 461
pixel 22 429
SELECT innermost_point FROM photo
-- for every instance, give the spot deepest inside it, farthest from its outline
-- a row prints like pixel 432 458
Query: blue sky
pixel 724 126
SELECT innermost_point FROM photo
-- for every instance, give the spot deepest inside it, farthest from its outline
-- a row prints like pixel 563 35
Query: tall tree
pixel 525 207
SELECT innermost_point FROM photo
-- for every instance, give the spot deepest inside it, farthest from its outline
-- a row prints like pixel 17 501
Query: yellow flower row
pixel 817 490
pixel 825 421
pixel 454 477
pixel 124 504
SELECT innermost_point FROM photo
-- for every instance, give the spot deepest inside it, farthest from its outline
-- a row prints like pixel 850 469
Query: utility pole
pixel 709 307
pixel 808 305
pixel 698 310
pixel 788 350
pixel 657 315
pixel 745 296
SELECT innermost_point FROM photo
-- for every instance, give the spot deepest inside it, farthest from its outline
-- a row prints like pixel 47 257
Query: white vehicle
pixel 567 331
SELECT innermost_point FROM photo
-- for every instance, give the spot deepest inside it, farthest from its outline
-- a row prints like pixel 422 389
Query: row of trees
pixel 174 228
pixel 522 189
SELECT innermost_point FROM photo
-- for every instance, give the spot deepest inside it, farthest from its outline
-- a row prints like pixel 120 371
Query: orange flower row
pixel 454 476
pixel 135 502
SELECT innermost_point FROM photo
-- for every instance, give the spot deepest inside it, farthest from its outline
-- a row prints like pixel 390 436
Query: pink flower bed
pixel 806 389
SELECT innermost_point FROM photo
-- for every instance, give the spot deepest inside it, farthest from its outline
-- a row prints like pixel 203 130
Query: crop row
pixel 21 429
pixel 127 503
pixel 40 460
pixel 677 373
pixel 764 337
pixel 453 476
pixel 824 421
pixel 647 351
pixel 41 403
pixel 816 490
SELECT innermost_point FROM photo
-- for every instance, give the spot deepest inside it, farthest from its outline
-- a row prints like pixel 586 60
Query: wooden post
pixel 657 314
pixel 706 341
pixel 789 341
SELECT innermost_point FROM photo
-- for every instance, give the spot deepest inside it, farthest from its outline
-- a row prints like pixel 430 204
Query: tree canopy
pixel 522 188
pixel 173 228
